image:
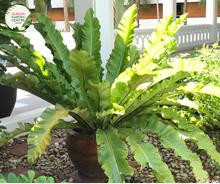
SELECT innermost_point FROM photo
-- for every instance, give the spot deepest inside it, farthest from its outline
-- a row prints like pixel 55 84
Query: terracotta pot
pixel 82 150
pixel 7 100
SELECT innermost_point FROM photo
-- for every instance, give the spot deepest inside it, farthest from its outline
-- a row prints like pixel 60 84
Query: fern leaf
pixel 203 141
pixel 54 40
pixel 181 122
pixel 170 139
pixel 200 88
pixel 77 35
pixel 187 65
pixel 161 41
pixel 104 116
pixel 183 102
pixel 111 155
pixel 91 38
pixel 133 53
pixel 180 102
pixel 5 136
pixel 191 131
pixel 146 153
pixel 28 79
pixel 129 81
pixel 39 136
pixel 144 96
pixel 86 116
pixel 19 38
pixel 99 95
pixel 118 60
pixel 83 67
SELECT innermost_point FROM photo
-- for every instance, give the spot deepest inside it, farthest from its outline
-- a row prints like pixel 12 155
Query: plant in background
pixel 209 112
pixel 134 95
pixel 3 8
pixel 23 179
pixel 216 164
pixel 203 2
pixel 1 130
pixel 120 6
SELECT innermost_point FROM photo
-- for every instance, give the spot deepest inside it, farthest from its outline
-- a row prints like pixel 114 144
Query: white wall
pixel 55 4
pixel 59 3
pixel 37 40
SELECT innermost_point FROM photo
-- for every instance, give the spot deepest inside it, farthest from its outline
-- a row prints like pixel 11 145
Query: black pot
pixel 7 100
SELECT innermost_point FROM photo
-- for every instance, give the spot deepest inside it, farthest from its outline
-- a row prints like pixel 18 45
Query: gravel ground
pixel 55 162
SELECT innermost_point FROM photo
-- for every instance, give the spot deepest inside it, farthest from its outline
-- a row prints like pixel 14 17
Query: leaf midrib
pixel 112 153
pixel 125 44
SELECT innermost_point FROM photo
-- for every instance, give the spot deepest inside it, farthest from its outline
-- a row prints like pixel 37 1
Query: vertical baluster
pixel 185 38
pixel 190 37
pixel 142 42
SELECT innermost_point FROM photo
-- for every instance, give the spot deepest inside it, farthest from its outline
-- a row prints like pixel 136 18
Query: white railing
pixel 192 36
pixel 141 37
pixel 188 37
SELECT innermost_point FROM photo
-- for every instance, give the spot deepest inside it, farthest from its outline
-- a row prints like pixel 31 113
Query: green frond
pixel 191 131
pixel 85 116
pixel 19 38
pixel 39 136
pixel 181 122
pixel 141 98
pixel 91 39
pixel 83 67
pixel 146 153
pixel 133 53
pixel 77 34
pixel 183 102
pixel 29 79
pixel 161 41
pixel 130 80
pixel 41 91
pixel 159 88
pixel 111 155
pixel 203 141
pixel 40 5
pixel 54 41
pixel 104 116
pixel 5 136
pixel 118 60
pixel 200 88
pixel 99 95
pixel 170 139
pixel 179 102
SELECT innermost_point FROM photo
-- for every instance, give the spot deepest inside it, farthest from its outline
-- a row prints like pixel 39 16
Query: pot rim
pixel 72 132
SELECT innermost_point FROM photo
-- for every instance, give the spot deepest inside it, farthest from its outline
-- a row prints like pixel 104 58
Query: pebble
pixel 56 144
pixel 55 162
pixel 70 180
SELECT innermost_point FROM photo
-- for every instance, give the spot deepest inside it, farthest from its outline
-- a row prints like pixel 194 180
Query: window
pixel 179 9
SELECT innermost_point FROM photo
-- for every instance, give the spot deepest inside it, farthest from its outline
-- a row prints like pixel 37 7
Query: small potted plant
pixel 135 96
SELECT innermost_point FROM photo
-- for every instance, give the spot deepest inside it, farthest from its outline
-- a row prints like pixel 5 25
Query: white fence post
pixel 104 12
pixel 169 6
pixel 211 17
